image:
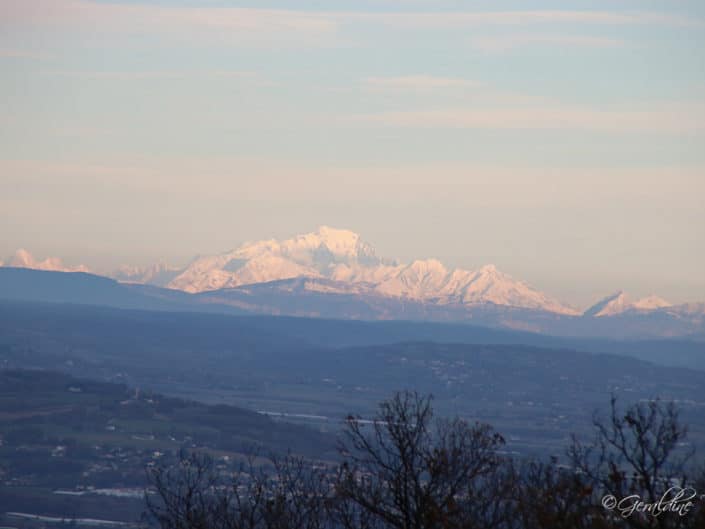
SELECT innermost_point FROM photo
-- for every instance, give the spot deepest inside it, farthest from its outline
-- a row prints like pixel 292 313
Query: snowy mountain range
pixel 342 257
pixel 23 259
pixel 336 268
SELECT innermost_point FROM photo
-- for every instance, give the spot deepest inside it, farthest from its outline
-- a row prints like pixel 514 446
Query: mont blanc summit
pixel 318 254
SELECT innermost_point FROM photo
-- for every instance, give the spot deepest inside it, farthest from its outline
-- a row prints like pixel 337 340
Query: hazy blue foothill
pixel 268 298
pixel 328 368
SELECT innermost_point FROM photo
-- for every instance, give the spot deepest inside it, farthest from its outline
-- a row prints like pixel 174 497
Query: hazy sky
pixel 562 141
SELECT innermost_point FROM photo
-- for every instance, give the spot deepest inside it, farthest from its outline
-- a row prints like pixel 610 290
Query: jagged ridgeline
pixel 334 273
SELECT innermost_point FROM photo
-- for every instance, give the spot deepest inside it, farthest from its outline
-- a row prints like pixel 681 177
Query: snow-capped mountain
pixel 651 302
pixel 431 281
pixel 343 257
pixel 334 273
pixel 23 259
pixel 317 254
pixel 620 302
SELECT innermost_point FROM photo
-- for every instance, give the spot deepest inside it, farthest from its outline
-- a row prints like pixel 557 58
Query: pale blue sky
pixel 562 141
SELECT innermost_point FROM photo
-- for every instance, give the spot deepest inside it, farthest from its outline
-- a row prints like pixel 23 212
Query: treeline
pixel 409 470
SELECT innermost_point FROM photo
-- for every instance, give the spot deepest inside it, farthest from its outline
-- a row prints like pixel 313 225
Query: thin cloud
pixel 266 179
pixel 215 23
pixel 509 42
pixel 418 83
pixel 255 22
pixel 154 74
pixel 449 20
pixel 688 119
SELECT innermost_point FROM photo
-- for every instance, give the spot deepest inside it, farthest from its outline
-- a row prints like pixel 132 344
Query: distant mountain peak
pixel 337 240
pixel 22 258
pixel 428 266
pixel 612 304
pixel 489 270
pixel 315 254
pixel 651 302
pixel 342 256
pixel 620 302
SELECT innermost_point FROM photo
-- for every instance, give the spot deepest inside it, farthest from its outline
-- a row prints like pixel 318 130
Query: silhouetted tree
pixel 193 494
pixel 638 453
pixel 551 496
pixel 408 471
